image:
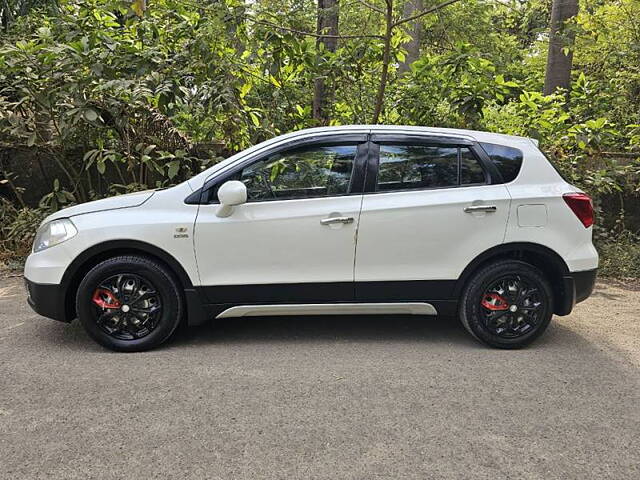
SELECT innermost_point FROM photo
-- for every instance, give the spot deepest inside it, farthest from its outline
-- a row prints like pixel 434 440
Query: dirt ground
pixel 324 397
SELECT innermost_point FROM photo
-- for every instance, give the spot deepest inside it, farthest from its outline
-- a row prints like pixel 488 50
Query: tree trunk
pixel 327 24
pixel 415 31
pixel 386 58
pixel 558 74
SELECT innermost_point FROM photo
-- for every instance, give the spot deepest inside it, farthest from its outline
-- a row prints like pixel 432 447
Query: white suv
pixel 345 220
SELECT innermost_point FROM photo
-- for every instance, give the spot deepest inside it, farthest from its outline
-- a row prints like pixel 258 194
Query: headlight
pixel 54 232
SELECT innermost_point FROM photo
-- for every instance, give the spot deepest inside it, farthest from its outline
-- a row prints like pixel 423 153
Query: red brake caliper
pixel 493 301
pixel 105 299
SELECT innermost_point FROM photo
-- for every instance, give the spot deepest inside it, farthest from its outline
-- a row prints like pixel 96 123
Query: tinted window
pixel 470 169
pixel 300 173
pixel 508 160
pixel 404 167
pixel 417 166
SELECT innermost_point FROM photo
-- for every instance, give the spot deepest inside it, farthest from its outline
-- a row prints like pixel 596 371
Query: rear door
pixel 431 205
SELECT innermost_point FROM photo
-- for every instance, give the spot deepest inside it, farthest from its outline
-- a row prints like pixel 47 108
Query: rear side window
pixel 410 167
pixel 507 160
pixel 470 169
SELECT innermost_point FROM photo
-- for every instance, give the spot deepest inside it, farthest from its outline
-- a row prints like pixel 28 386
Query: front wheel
pixel 129 303
pixel 507 304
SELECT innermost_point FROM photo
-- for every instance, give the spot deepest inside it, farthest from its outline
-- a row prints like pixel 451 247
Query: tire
pixel 129 303
pixel 490 297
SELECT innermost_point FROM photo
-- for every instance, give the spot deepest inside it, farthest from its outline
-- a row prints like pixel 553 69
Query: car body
pixel 353 219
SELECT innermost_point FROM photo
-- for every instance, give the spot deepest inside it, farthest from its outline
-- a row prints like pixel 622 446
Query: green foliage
pixel 619 255
pixel 57 198
pixel 99 80
pixel 120 96
pixel 452 89
pixel 17 229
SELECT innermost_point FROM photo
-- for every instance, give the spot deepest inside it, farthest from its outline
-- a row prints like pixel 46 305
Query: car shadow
pixel 427 330
pixel 348 328
pixel 436 331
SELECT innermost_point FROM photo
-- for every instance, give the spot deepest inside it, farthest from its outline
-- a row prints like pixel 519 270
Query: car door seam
pixel 357 229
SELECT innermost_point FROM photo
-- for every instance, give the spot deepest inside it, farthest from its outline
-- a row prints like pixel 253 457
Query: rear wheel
pixel 507 304
pixel 129 303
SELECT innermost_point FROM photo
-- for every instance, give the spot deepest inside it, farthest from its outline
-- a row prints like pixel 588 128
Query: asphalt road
pixel 323 397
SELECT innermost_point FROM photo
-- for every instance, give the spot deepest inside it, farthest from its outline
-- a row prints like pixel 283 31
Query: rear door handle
pixel 480 208
pixel 330 220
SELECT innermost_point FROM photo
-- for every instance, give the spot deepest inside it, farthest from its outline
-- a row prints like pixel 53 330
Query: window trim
pixel 355 183
pixel 371 182
pixel 365 169
pixel 487 175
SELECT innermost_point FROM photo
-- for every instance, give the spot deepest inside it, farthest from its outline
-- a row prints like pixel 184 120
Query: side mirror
pixel 230 194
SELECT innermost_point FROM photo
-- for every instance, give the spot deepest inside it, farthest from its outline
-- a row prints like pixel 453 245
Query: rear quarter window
pixel 508 160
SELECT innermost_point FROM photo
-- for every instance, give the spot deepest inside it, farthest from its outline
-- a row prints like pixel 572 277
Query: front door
pixel 294 239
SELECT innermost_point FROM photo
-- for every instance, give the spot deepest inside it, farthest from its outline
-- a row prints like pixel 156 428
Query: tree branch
pixel 310 34
pixel 386 56
pixel 372 7
pixel 424 12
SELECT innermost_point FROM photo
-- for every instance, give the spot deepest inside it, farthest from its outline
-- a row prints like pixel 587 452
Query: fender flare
pixel 72 275
pixel 514 249
pixel 124 246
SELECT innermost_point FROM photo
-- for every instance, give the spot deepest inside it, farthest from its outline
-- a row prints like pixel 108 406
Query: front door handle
pixel 331 220
pixel 480 208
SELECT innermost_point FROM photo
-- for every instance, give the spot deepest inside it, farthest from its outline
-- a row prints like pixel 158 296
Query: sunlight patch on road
pixel 10 291
pixel 609 318
pixel 4 329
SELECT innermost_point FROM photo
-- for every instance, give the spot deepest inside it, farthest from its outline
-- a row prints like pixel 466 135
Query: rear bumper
pixel 577 287
pixel 584 283
pixel 47 300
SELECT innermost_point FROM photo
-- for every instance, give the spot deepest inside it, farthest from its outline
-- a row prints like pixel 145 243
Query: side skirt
pixel 426 297
pixel 407 308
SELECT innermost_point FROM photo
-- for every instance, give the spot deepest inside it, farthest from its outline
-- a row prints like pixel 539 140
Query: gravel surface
pixel 323 397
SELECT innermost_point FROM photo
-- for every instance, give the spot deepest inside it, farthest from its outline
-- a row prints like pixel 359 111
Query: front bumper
pixel 48 300
pixel 577 287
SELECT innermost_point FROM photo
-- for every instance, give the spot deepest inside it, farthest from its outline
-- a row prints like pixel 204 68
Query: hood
pixel 119 201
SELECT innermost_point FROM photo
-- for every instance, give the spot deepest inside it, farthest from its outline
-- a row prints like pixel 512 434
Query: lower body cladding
pixel 427 297
pixel 409 308
pixel 420 297
pixel 337 298
pixel 48 300
pixel 576 286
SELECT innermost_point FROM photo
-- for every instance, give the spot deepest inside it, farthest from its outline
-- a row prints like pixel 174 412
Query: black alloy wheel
pixel 129 303
pixel 511 307
pixel 127 306
pixel 507 304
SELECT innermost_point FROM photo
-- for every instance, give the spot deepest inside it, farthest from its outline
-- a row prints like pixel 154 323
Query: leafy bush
pixel 17 228
pixel 619 255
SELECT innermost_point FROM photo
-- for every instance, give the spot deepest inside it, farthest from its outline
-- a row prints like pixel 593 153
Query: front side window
pixel 410 167
pixel 306 172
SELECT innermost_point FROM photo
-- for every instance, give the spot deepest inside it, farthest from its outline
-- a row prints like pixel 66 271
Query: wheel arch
pixel 542 257
pixel 90 257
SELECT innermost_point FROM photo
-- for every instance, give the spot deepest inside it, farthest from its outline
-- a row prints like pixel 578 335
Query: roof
pixel 478 135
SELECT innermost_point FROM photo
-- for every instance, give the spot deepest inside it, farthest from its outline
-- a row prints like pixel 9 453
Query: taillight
pixel 581 205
